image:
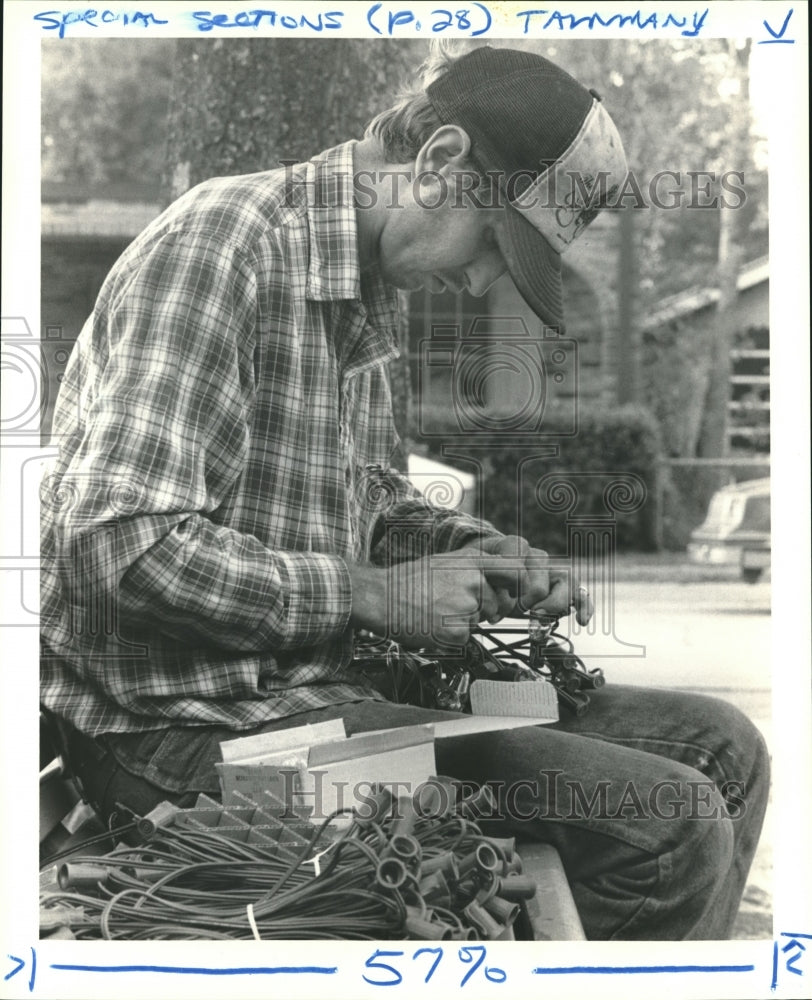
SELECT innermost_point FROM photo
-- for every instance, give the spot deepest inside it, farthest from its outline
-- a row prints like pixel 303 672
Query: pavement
pixel 711 635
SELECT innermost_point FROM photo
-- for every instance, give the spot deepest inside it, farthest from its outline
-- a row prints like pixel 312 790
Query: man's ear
pixel 449 146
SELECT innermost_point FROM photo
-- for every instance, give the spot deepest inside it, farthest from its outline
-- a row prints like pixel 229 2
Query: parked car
pixel 736 530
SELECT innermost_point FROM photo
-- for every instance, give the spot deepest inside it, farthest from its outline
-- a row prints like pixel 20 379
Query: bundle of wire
pixel 535 652
pixel 397 871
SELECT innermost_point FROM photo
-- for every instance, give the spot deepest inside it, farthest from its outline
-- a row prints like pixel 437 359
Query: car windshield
pixel 757 514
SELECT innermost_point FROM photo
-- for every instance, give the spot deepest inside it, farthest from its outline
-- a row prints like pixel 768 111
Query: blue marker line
pixel 192 970
pixel 602 970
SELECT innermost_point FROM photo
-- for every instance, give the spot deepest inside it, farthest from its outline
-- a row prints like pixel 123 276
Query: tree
pixel 681 106
pixel 104 104
pixel 713 439
pixel 245 105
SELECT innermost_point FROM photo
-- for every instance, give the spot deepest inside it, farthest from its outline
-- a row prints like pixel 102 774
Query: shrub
pixel 611 441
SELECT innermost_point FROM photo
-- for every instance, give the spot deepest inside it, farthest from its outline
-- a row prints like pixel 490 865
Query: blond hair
pixel 403 128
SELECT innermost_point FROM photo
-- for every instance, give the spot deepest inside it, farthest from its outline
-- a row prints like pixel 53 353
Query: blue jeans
pixel 654 799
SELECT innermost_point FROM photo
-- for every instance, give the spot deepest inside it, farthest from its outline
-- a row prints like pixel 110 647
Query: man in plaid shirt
pixel 215 525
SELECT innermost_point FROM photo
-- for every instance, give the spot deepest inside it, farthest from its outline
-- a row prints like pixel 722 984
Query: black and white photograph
pixel 406 501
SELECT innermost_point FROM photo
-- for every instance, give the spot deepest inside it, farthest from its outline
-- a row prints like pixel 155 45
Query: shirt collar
pixel 334 271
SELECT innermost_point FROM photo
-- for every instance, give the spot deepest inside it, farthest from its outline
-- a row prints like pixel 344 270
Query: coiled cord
pixel 399 873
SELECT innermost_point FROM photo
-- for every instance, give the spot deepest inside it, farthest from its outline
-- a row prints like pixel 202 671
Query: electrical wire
pixel 185 883
pixel 112 834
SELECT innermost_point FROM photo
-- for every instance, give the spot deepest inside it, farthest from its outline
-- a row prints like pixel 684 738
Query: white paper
pixel 265 747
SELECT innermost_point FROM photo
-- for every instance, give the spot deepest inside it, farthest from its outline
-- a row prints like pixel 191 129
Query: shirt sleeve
pixel 165 440
pixel 408 525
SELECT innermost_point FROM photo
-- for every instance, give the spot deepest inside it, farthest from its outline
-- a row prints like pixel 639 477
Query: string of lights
pixel 396 872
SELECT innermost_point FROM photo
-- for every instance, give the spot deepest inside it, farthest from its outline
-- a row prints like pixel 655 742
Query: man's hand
pixel 432 601
pixel 531 582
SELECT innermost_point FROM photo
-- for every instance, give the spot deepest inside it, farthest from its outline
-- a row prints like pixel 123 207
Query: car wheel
pixel 750 575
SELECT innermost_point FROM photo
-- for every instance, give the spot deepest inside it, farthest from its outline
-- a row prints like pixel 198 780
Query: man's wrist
pixel 369 589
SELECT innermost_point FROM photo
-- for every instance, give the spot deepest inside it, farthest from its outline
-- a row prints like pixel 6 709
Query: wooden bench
pixel 551 913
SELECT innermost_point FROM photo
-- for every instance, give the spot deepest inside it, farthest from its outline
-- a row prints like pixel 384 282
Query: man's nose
pixel 484 271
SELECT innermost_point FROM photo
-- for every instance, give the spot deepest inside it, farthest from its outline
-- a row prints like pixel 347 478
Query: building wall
pixel 753 306
pixel 676 364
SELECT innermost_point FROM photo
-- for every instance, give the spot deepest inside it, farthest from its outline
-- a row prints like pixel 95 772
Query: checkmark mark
pixel 780 33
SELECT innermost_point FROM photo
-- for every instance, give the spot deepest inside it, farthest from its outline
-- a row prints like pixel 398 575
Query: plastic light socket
pixel 434 800
pixel 487 926
pixel 514 866
pixel 81 876
pixel 515 887
pixel 376 806
pixel 507 845
pixel 406 817
pixel 483 859
pixel 403 847
pixel 480 803
pixel 391 873
pixel 503 910
pixel 444 862
pixel 434 889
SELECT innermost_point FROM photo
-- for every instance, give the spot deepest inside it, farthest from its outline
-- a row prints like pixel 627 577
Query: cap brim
pixel 535 268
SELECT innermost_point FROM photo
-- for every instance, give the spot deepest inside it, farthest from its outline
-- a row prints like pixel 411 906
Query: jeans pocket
pixel 176 760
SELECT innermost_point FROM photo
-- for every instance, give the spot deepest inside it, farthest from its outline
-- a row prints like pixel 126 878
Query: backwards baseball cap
pixel 551 147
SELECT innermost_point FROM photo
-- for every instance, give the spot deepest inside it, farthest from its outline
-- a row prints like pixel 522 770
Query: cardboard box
pixel 311 771
pixel 318 779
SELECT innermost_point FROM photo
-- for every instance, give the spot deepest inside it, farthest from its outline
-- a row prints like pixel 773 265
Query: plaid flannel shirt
pixel 224 431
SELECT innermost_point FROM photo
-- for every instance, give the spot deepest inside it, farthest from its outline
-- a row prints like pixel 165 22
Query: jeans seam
pixel 665 874
pixel 632 743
